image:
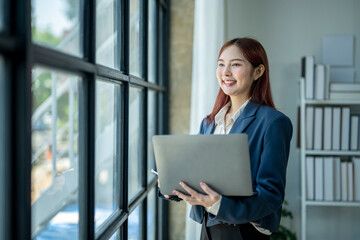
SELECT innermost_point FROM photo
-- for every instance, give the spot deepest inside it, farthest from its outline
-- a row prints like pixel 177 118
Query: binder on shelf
pixel 309 127
pixel 345 128
pixel 318 129
pixel 344 181
pixel 327 128
pixel 327 81
pixel 337 178
pixel 307 65
pixel 356 162
pixel 319 82
pixel 336 126
pixel 345 87
pixel 310 178
pixel 350 169
pixel 329 178
pixel 344 96
pixel 354 132
pixel 319 178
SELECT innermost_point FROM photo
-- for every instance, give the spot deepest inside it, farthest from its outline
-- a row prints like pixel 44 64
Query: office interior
pixel 85 84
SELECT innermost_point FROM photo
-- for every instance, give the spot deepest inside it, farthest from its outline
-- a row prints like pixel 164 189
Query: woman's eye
pixel 236 64
pixel 220 64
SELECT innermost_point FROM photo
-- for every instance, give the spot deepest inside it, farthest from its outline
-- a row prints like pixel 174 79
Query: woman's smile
pixel 228 82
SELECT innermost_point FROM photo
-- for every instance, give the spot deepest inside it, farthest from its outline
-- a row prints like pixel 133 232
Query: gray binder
pixel 221 161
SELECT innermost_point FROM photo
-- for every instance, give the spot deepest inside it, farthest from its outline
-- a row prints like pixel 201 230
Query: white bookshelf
pixel 308 204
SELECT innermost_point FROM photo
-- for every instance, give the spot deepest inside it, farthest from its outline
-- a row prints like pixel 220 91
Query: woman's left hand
pixel 196 198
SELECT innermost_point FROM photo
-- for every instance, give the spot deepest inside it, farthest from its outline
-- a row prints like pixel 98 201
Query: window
pixel 151 215
pixel 135 140
pixel 107 50
pixel 2 148
pixel 107 171
pixel 152 111
pixel 54 160
pixel 152 41
pixel 56 24
pixel 1 15
pixel 78 113
pixel 134 224
pixel 134 37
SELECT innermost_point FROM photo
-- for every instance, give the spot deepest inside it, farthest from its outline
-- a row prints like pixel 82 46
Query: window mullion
pixel 125 22
pixel 87 125
pixel 18 127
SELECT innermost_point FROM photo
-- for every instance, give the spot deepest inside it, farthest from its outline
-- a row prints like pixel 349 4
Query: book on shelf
pixel 329 177
pixel 310 178
pixel 327 81
pixel 336 126
pixel 354 132
pixel 307 67
pixel 327 128
pixel 337 178
pixel 344 87
pixel 319 82
pixel 322 81
pixel 309 127
pixel 318 128
pixel 344 181
pixel 356 162
pixel 344 95
pixel 345 128
pixel 350 172
pixel 319 178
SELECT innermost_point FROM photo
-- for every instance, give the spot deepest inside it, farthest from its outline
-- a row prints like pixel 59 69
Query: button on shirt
pixel 222 127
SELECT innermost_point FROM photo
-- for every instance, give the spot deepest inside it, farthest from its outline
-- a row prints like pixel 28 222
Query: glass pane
pixel 134 141
pixel 152 42
pixel 151 132
pixel 2 148
pixel 115 236
pixel 106 192
pixel 56 24
pixel 54 171
pixel 1 15
pixel 161 49
pixel 134 225
pixel 134 54
pixel 151 217
pixel 106 34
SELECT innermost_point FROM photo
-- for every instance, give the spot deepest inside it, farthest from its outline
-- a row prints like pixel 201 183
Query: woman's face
pixel 235 74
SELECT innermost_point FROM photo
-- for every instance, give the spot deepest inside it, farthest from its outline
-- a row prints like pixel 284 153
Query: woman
pixel 244 105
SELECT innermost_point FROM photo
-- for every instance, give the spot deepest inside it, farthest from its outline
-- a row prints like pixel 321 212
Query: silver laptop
pixel 221 161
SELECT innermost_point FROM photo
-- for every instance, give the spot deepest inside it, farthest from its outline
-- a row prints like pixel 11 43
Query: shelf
pixel 332 152
pixel 332 204
pixel 332 102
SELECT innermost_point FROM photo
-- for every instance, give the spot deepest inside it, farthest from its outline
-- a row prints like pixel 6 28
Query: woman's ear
pixel 259 71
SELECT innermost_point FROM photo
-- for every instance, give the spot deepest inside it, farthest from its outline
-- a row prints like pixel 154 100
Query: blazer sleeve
pixel 270 179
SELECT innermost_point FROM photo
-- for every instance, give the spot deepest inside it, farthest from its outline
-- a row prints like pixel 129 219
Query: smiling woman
pixel 244 105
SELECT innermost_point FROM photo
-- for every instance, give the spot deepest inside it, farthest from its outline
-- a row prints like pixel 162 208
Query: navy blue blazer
pixel 269 132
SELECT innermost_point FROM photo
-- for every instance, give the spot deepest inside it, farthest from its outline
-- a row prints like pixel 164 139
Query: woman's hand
pixel 167 196
pixel 196 198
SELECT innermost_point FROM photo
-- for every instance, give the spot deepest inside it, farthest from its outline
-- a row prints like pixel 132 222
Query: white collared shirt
pixel 224 128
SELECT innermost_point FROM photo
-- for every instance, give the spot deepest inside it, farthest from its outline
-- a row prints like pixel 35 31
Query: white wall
pixel 290 29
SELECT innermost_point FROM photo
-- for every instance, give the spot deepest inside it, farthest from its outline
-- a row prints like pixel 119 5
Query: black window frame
pixel 20 55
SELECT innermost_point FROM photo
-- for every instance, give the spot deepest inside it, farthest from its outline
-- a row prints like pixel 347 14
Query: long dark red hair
pixel 260 91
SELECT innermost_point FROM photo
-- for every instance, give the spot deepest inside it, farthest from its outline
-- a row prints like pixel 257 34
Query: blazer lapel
pixel 245 118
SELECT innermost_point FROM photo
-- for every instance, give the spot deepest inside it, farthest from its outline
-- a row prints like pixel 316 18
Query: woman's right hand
pixel 166 196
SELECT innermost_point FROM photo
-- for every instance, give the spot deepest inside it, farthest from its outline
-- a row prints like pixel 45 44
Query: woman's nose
pixel 227 70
